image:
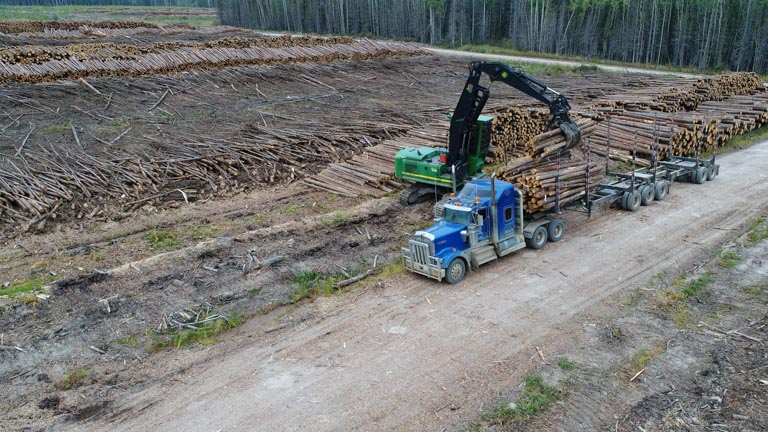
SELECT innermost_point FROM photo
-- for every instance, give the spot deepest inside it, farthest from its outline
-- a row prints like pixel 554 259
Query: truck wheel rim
pixel 456 271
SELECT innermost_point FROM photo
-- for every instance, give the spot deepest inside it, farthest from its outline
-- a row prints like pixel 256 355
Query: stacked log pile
pixel 544 183
pixel 18 27
pixel 520 133
pixel 685 98
pixel 513 130
pixel 681 134
pixel 47 63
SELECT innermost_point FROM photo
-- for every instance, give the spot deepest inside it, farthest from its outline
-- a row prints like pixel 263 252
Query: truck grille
pixel 420 252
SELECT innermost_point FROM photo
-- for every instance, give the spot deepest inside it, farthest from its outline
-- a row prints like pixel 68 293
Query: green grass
pixel 310 284
pixel 536 397
pixel 753 291
pixel 161 239
pixel 205 335
pixel 339 219
pixel 130 341
pixel 293 208
pixel 56 128
pixel 644 356
pixel 114 13
pixel 202 232
pixel 97 254
pixel 758 230
pixel 119 122
pixel 74 378
pixel 697 285
pixel 675 301
pixel 565 364
pixel 34 283
pixel 729 259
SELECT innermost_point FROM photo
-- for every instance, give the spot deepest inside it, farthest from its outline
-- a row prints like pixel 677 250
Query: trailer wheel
pixel 538 239
pixel 711 173
pixel 699 176
pixel 456 271
pixel 646 194
pixel 631 201
pixel 662 190
pixel 555 230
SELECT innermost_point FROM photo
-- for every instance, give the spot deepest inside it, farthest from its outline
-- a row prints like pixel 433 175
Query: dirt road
pixel 412 354
pixel 564 63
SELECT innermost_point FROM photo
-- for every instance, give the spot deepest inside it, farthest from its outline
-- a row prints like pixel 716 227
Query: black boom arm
pixel 474 96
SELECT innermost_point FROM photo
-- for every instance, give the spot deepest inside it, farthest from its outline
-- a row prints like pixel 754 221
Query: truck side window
pixel 508 214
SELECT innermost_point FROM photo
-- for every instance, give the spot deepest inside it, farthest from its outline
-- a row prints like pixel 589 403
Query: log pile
pixel 684 98
pixel 45 182
pixel 513 130
pixel 542 182
pixel 520 133
pixel 16 27
pixel 680 133
pixel 49 63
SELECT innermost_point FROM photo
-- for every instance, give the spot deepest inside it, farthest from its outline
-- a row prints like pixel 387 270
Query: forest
pixel 700 34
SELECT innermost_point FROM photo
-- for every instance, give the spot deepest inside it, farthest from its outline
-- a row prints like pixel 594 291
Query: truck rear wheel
pixel 646 194
pixel 538 239
pixel 662 190
pixel 631 201
pixel 711 174
pixel 456 271
pixel 699 176
pixel 555 230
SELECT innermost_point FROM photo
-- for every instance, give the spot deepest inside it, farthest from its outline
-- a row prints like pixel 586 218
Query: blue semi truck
pixel 483 222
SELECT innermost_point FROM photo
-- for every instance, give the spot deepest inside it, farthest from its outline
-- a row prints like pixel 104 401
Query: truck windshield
pixel 459 216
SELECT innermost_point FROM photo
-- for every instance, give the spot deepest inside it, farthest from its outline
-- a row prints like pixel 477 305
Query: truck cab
pixel 483 222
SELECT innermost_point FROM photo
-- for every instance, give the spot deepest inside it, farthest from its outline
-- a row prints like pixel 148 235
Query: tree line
pixel 704 34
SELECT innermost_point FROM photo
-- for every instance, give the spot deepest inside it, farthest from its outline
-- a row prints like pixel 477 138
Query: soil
pixel 396 351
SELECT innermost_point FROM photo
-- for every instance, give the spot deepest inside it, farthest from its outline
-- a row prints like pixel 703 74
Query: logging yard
pixel 205 222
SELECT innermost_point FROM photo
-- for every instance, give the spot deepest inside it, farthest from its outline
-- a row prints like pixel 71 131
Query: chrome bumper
pixel 423 264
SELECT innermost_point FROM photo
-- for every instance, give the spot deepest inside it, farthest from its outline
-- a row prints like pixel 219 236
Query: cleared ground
pixel 391 356
pixel 395 352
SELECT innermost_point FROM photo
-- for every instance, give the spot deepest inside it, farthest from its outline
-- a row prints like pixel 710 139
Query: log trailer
pixel 441 169
pixel 485 221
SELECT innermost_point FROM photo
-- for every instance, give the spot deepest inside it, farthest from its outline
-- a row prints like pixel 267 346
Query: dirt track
pixel 394 356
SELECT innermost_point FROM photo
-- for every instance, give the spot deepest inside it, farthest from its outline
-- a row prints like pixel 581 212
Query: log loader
pixel 443 169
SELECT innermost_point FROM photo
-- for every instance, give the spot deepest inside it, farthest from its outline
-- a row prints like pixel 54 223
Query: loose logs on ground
pixel 49 63
pixel 44 179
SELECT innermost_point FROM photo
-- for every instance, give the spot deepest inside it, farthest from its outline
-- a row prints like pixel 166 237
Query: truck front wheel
pixel 456 271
